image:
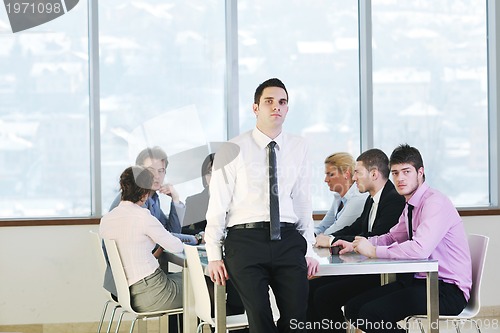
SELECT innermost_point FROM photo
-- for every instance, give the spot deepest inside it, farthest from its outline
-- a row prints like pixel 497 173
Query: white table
pixel 356 264
pixel 348 264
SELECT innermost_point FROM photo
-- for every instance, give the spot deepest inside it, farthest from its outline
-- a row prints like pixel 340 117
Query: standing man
pixel 380 213
pixel 429 227
pixel 267 214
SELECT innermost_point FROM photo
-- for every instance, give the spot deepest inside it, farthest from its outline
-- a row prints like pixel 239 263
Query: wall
pixel 54 274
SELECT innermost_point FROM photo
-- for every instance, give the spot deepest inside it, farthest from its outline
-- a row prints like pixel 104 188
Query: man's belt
pixel 261 225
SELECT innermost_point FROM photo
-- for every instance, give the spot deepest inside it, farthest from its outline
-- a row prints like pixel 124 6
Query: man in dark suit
pixel 381 212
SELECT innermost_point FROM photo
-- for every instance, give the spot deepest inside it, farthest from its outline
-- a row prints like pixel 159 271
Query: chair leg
pixel 142 326
pixel 119 322
pixel 420 326
pixel 407 325
pixel 111 318
pixel 102 316
pixel 350 327
pixel 476 325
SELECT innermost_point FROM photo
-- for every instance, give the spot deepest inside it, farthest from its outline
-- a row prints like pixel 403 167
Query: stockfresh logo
pixel 26 14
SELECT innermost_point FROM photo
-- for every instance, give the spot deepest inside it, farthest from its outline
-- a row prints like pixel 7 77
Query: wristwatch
pixel 199 236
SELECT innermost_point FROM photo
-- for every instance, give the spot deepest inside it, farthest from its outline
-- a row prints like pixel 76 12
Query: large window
pixel 430 90
pixel 44 118
pixel 181 75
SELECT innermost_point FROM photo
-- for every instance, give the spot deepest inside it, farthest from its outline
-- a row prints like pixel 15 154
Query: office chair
pixel 123 288
pixel 478 245
pixel 111 300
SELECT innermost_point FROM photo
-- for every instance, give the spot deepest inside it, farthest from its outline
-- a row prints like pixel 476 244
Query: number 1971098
pixel 33 8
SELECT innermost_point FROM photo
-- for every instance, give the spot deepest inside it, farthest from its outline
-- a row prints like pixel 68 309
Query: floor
pixel 487 325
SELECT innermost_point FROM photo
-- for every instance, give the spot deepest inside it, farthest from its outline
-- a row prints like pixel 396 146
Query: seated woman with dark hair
pixel 136 233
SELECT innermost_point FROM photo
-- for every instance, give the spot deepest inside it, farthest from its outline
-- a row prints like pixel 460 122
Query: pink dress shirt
pixel 438 233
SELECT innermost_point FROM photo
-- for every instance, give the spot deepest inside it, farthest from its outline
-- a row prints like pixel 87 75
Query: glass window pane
pixel 313 48
pixel 162 67
pixel 44 118
pixel 430 90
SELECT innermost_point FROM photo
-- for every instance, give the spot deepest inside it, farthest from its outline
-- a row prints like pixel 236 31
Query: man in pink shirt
pixel 429 227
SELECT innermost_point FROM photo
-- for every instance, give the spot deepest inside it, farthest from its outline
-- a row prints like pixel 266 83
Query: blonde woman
pixel 349 202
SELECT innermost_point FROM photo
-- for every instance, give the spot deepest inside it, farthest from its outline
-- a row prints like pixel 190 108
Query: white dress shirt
pixel 136 233
pixel 354 202
pixel 239 188
pixel 373 211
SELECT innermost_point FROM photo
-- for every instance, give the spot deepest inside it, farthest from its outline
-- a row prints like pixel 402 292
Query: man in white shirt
pixel 241 202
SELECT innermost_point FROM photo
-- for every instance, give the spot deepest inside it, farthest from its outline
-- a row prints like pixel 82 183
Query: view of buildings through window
pixel 162 82
pixel 430 90
pixel 44 118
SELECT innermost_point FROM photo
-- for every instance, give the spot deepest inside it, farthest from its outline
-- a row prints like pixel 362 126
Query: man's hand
pixel 217 272
pixel 169 189
pixel 363 246
pixel 312 267
pixel 322 240
pixel 345 245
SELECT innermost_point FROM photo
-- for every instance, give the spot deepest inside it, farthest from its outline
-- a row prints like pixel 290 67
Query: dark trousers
pixel 328 294
pixel 379 309
pixel 254 263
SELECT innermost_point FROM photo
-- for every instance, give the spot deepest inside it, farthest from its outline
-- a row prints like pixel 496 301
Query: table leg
pixel 433 302
pixel 163 324
pixel 220 308
pixel 189 315
pixel 386 278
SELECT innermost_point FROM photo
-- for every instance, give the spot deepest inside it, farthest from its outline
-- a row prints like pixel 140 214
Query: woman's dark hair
pixel 135 182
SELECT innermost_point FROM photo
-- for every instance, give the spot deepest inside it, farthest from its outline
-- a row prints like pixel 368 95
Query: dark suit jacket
pixel 390 208
pixel 196 210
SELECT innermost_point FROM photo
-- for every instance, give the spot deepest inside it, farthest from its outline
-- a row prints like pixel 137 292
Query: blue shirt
pixel 353 201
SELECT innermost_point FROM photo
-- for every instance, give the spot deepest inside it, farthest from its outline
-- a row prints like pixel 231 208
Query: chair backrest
pixel 199 285
pixel 478 245
pixel 119 275
pixel 103 263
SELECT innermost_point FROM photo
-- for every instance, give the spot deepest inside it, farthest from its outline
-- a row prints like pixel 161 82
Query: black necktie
pixel 369 209
pixel 340 207
pixel 410 226
pixel 275 231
